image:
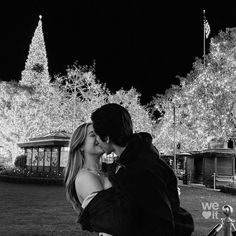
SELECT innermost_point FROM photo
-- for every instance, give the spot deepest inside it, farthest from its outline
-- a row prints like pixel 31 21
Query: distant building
pixel 47 153
pixel 218 159
pixel 201 166
pixel 181 162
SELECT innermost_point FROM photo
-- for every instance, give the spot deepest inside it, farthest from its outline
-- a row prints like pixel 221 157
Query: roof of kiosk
pixel 221 152
pixel 51 139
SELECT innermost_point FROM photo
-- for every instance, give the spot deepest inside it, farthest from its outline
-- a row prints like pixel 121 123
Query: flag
pixel 206 28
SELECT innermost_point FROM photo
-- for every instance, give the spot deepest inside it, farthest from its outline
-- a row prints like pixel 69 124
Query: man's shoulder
pixel 148 157
pixel 152 163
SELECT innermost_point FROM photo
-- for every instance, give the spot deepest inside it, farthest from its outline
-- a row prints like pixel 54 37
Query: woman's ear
pixel 107 139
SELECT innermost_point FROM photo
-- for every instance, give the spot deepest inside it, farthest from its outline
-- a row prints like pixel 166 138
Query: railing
pixel 226 224
pixel 223 179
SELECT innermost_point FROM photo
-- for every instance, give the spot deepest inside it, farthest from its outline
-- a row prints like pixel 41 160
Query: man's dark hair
pixel 113 120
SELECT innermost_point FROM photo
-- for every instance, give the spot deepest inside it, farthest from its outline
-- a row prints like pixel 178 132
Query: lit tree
pixel 36 67
pixel 23 115
pixel 141 116
pixel 205 101
pixel 53 110
pixel 211 95
pixel 174 104
pixel 14 127
pixel 82 95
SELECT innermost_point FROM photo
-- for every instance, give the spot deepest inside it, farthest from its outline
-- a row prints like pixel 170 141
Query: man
pixel 149 185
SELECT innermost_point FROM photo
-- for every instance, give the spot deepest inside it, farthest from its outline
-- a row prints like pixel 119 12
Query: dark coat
pixel 110 212
pixel 145 200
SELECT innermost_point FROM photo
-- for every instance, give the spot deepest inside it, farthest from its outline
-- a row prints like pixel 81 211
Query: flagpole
pixel 204 37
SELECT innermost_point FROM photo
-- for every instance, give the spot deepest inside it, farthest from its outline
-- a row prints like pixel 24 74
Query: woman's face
pixel 91 145
pixel 106 146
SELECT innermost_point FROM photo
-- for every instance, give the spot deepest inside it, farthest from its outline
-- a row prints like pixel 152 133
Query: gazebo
pixel 47 153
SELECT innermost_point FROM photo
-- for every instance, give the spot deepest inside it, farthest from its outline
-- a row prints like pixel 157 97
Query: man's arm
pixel 111 212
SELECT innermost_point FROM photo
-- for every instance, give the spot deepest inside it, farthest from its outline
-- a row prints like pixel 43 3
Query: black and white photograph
pixel 117 118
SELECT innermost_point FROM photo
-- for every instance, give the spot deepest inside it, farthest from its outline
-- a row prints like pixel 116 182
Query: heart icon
pixel 206 214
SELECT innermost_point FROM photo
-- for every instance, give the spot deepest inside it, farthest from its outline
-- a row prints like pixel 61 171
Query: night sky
pixel 141 44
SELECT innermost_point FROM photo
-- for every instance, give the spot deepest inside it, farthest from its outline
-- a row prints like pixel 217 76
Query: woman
pixel 83 176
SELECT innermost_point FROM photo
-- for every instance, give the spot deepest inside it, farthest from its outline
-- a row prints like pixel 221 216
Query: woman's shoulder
pixel 85 176
pixel 87 183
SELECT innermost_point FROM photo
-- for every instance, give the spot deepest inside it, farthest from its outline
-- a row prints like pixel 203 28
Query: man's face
pixel 106 146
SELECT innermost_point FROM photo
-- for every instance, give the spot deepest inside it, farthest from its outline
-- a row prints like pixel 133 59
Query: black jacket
pixel 111 212
pixel 145 197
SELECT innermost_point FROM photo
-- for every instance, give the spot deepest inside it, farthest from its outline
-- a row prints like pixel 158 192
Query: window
pixel 28 156
pixel 48 154
pixel 64 156
pixel 35 157
pixel 54 157
pixel 41 157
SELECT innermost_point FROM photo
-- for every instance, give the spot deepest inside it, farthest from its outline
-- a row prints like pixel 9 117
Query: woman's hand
pixel 107 183
pixel 179 191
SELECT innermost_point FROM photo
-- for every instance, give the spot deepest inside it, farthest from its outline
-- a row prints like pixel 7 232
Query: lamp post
pixel 174 161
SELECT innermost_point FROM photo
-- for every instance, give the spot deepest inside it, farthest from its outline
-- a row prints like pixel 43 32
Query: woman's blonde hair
pixel 74 164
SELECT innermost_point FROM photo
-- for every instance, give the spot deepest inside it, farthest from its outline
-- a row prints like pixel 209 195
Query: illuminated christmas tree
pixel 36 67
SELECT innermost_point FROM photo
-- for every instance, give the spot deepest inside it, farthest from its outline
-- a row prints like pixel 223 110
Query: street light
pixel 174 164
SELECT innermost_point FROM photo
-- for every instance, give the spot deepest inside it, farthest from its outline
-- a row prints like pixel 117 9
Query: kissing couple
pixel 137 195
